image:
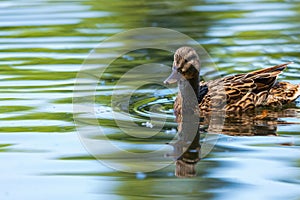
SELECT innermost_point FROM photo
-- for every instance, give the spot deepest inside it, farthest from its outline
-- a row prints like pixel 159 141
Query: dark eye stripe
pixel 191 57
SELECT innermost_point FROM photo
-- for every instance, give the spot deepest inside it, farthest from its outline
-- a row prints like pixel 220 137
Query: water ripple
pixel 43 44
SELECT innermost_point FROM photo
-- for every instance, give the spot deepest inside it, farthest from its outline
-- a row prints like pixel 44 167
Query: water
pixel 44 43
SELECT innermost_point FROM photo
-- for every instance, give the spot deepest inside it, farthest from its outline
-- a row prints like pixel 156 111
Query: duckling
pixel 232 94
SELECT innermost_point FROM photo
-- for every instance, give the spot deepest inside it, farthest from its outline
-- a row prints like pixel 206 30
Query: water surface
pixel 44 43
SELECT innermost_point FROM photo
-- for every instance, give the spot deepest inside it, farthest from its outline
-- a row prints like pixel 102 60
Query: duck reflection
pixel 261 122
pixel 187 155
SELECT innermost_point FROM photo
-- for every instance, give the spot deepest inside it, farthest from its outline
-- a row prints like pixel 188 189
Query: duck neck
pixel 195 85
pixel 189 90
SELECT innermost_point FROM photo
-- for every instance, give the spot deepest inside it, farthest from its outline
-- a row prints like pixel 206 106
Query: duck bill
pixel 173 78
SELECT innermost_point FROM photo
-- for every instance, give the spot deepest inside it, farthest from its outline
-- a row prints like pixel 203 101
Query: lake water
pixel 58 140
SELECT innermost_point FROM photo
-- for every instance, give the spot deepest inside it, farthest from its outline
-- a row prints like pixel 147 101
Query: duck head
pixel 186 65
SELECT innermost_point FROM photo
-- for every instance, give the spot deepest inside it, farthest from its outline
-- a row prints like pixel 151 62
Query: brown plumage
pixel 233 94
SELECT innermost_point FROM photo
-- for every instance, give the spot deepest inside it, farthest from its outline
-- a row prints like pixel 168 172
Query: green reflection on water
pixel 8 109
pixel 235 38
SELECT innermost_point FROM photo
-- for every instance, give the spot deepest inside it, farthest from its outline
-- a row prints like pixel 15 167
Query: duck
pixel 233 94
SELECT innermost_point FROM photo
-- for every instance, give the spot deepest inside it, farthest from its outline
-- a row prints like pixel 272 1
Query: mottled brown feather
pixel 245 92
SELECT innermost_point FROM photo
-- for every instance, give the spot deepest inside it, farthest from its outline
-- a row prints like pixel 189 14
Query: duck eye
pixel 185 60
pixel 179 70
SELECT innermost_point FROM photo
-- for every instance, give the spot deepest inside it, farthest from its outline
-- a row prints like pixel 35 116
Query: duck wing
pixel 241 92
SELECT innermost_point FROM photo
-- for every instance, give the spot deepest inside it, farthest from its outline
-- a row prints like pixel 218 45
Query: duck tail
pixel 284 92
pixel 294 92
